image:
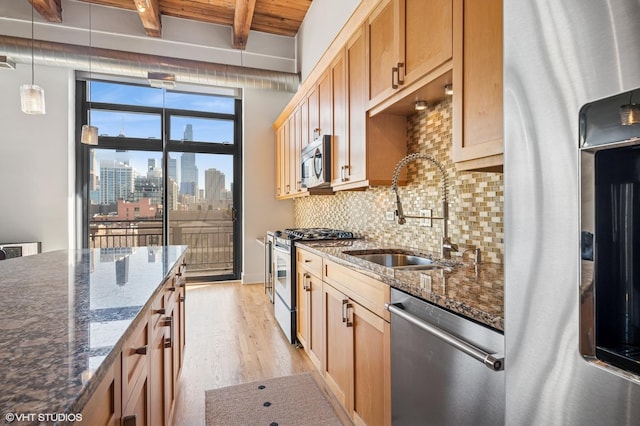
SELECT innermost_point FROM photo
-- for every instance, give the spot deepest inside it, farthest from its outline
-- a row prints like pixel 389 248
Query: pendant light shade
pixel 32 95
pixel 89 135
pixel 32 99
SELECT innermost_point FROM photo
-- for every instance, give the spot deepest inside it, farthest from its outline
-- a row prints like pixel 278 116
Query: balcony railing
pixel 210 244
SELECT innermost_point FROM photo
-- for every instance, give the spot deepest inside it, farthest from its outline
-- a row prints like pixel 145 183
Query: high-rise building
pixel 188 168
pixel 173 169
pixel 188 133
pixel 116 181
pixel 188 174
pixel 213 185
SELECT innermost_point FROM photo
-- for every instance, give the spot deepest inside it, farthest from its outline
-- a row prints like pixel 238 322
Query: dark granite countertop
pixel 65 316
pixel 475 292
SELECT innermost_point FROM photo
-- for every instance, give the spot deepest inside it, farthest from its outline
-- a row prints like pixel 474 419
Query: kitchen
pixel 531 180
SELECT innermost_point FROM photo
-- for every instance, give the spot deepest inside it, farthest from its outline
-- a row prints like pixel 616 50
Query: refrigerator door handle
pixel 491 361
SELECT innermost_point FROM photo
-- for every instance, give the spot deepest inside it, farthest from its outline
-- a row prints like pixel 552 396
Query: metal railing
pixel 210 243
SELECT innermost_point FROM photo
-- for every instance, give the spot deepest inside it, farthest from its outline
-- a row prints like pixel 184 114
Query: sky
pixel 144 125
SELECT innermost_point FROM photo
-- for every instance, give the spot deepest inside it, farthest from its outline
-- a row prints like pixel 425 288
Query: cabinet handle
pixel 349 323
pixel 142 350
pixel 182 298
pixel 178 274
pixel 168 322
pixel 160 311
pixel 129 421
pixel 394 75
pixel 401 73
pixel 172 288
pixel 346 173
pixel 345 302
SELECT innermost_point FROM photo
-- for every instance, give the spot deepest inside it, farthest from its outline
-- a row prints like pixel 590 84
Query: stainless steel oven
pixel 610 233
pixel 316 163
pixel 284 271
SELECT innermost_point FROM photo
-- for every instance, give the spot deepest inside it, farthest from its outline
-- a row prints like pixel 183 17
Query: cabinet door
pixel 280 164
pixel 302 300
pixel 314 113
pixel 169 364
pixel 426 36
pixel 477 82
pixel 315 340
pixel 371 367
pixel 325 107
pixel 339 345
pixel 340 152
pixel 156 374
pixel 383 41
pixel 295 182
pixel 104 407
pixel 355 161
pixel 136 411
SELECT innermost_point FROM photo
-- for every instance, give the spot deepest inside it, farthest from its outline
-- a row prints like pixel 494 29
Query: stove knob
pixel 277 233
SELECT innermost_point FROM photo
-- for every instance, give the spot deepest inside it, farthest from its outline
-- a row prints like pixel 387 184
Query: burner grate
pixel 318 234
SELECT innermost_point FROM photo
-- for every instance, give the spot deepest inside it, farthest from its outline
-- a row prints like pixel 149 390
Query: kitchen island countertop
pixel 65 316
pixel 475 292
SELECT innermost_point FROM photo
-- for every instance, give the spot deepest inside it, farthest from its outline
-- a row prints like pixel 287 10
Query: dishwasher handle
pixel 489 360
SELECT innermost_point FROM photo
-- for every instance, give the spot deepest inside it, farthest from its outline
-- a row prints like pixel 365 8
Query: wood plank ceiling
pixel 281 17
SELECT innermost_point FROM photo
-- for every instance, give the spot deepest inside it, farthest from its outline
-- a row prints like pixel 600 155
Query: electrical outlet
pixel 390 215
pixel 425 222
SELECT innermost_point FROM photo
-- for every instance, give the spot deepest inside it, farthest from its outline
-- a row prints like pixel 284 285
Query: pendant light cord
pixel 32 66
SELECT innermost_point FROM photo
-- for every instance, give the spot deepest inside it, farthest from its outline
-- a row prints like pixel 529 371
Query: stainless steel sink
pixel 395 259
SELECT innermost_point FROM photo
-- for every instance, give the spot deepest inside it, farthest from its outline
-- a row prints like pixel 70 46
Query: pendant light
pixel 31 95
pixel 89 135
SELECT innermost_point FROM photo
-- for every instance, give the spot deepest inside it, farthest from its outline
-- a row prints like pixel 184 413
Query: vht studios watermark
pixel 43 417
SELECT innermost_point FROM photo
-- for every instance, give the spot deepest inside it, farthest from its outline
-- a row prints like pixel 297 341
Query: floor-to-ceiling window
pixel 166 170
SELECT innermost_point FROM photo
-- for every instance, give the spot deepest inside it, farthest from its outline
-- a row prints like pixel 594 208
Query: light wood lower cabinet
pixel 140 387
pixel 344 328
pixel 358 358
pixel 105 406
pixel 309 306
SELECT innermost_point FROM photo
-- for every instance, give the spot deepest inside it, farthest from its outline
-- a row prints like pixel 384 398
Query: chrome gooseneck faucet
pixel 446 246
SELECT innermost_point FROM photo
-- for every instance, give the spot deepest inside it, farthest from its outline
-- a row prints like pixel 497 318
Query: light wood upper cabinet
pixel 384 50
pixel 288 149
pixel 477 82
pixel 366 149
pixel 407 39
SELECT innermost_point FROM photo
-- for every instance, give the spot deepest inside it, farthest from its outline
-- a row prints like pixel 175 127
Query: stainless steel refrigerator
pixel 563 61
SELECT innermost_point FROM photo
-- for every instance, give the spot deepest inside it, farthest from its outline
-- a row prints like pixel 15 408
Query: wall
pixel 475 199
pixel 262 211
pixel 323 21
pixel 35 194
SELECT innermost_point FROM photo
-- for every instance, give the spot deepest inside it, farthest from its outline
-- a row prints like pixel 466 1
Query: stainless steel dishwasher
pixel 445 369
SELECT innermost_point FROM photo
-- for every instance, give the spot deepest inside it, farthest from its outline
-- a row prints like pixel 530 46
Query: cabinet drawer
pixel 369 292
pixel 134 357
pixel 310 261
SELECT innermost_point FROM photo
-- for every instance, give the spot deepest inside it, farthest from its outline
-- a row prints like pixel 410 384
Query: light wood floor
pixel 232 338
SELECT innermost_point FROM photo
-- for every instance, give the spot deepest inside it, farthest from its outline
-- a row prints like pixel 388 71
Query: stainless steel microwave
pixel 316 163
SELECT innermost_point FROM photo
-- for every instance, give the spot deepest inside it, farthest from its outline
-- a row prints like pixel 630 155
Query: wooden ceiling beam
pixel 149 12
pixel 51 10
pixel 242 22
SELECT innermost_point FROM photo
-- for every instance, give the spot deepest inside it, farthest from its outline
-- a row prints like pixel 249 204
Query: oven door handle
pixel 491 361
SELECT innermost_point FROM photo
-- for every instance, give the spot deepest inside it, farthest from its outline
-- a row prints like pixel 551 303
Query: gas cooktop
pixel 308 234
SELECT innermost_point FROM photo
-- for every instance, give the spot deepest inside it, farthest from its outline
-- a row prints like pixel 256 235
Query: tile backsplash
pixel 475 198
